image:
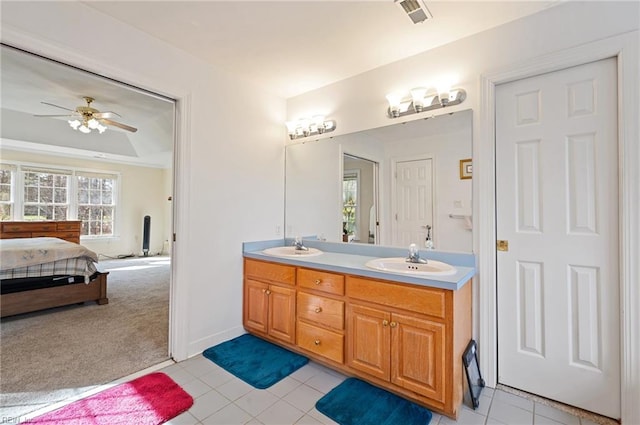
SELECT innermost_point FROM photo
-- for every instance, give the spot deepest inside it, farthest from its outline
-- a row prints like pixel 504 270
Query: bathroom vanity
pixel 402 332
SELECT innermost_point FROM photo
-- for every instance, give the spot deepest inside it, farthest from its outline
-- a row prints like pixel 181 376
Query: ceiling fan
pixel 86 118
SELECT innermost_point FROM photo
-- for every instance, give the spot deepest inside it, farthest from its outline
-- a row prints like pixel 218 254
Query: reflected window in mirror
pixel 350 218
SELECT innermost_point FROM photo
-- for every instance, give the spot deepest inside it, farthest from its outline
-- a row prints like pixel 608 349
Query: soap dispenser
pixel 428 243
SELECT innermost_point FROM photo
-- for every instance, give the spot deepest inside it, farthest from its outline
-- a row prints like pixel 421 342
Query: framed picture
pixel 466 169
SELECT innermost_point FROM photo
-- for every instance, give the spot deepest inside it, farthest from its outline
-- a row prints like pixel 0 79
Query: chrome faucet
pixel 299 246
pixel 414 255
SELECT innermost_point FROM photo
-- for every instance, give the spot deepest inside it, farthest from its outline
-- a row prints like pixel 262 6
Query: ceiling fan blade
pixel 117 124
pixel 56 116
pixel 108 114
pixel 58 106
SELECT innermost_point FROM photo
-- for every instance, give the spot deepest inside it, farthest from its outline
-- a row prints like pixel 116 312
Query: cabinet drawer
pixel 68 236
pixel 321 341
pixel 269 271
pixel 69 226
pixel 429 301
pixel 322 310
pixel 321 281
pixel 11 235
pixel 28 226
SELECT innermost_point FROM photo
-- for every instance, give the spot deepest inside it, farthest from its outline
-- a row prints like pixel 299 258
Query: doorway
pixel 359 200
pixel 557 207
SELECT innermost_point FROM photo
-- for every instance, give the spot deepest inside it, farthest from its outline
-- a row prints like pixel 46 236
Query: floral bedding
pixel 34 257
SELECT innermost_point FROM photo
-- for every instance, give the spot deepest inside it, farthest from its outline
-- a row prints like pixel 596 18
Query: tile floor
pixel 222 399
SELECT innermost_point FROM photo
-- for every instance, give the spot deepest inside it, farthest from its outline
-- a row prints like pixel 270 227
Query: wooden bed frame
pixel 40 299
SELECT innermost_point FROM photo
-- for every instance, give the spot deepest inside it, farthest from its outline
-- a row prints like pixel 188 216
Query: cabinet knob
pixel 268 292
pixel 318 309
pixel 316 342
pixel 385 322
pixel 318 281
pixel 393 324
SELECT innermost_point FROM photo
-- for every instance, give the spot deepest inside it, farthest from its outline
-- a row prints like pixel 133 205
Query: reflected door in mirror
pixel 413 200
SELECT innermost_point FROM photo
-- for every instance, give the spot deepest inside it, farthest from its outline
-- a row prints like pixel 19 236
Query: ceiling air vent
pixel 416 9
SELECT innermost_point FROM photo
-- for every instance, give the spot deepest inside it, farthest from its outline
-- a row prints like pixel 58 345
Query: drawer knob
pixel 318 281
pixel 318 309
pixel 316 342
pixel 385 322
pixel 393 324
pixel 268 292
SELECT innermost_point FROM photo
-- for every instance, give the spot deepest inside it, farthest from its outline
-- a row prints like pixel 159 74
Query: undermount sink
pixel 291 251
pixel 400 265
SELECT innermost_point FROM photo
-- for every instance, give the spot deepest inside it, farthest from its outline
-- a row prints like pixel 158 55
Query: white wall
pixel 230 152
pixel 142 192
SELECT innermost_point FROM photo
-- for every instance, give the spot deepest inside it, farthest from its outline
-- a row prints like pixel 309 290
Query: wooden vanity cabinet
pixel 406 338
pixel 411 337
pixel 269 302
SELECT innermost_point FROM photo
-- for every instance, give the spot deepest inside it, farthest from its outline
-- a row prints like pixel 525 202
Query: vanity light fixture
pixel 421 100
pixel 306 127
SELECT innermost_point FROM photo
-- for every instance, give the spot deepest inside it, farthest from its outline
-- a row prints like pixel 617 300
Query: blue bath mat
pixel 256 361
pixel 355 402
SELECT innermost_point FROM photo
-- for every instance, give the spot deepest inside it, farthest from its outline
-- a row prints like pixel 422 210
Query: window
pixel 46 195
pixel 34 193
pixel 96 205
pixel 7 173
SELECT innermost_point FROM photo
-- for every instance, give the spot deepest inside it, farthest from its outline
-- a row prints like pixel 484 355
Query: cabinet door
pixel 256 304
pixel 368 340
pixel 282 313
pixel 418 355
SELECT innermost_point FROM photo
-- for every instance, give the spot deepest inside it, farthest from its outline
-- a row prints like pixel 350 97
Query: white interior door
pixel 413 188
pixel 557 206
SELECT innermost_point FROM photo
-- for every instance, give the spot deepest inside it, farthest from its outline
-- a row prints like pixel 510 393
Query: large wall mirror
pixel 392 185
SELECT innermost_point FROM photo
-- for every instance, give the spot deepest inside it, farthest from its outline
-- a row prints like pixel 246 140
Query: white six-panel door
pixel 413 202
pixel 557 206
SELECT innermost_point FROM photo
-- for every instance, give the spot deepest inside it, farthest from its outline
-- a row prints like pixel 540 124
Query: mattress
pixel 38 257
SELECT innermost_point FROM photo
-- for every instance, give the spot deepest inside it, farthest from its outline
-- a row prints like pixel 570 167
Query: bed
pixel 44 266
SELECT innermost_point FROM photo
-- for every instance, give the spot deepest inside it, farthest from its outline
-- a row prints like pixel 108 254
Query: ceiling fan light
pixel 84 129
pixel 93 123
pixel 101 128
pixel 74 124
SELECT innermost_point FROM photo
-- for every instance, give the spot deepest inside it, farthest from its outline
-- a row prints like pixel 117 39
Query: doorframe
pixel 625 49
pixel 179 293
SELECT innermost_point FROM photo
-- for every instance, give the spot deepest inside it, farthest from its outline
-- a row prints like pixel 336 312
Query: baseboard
pixel 198 346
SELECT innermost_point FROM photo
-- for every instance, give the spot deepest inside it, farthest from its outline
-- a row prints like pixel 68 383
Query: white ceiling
pixel 287 47
pixel 291 47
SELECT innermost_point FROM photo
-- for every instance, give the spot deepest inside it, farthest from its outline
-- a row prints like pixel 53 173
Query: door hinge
pixel 502 245
pixel 174 237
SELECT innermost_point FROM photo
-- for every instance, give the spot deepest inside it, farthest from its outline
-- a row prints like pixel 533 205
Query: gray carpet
pixel 52 355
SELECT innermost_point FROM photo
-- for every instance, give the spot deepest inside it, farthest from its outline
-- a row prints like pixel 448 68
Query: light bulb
pixel 84 129
pixel 394 100
pixel 74 124
pixel 418 98
pixel 101 128
pixel 93 123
